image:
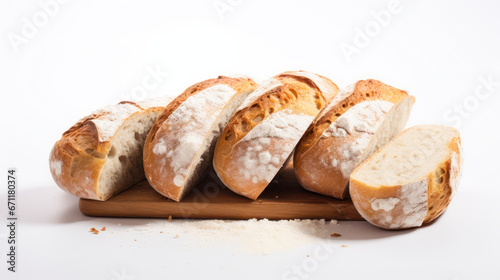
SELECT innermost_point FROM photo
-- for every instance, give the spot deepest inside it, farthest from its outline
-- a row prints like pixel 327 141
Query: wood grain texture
pixel 283 199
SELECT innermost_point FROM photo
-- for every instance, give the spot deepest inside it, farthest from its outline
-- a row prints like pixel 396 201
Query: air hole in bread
pixel 97 154
pixel 122 159
pixel 229 136
pixel 316 96
pixel 89 151
pixel 351 104
pixel 319 104
pixel 343 105
pixel 112 152
pixel 137 136
pixel 258 118
pixel 337 115
pixel 244 127
pixel 294 92
pixel 255 108
pixel 367 95
pixel 270 110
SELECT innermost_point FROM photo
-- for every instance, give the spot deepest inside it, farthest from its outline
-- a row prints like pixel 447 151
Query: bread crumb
pixel 345 246
pixel 94 231
pixel 176 236
pixel 135 239
pixel 170 218
pixel 259 201
pixel 276 196
pixel 308 256
pixel 333 222
pixel 336 234
pixel 103 229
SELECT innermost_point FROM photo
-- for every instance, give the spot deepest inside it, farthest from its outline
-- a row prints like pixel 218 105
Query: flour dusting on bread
pixel 260 160
pixel 364 118
pixel 188 126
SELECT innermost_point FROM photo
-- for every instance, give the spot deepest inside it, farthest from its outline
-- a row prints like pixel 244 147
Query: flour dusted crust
pixel 344 133
pixel 79 158
pixel 180 144
pixel 400 206
pixel 262 134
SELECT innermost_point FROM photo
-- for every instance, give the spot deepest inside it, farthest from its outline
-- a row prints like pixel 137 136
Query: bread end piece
pixel 101 155
pixel 410 181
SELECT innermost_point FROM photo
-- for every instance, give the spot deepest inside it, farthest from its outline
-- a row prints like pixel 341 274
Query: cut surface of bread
pixel 180 146
pixel 262 134
pixel 411 180
pixel 101 155
pixel 358 121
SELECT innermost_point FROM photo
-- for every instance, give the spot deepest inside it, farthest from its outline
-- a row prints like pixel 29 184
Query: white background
pixel 88 54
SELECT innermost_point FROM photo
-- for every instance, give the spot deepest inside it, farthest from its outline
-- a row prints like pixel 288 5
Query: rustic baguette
pixel 356 123
pixel 411 180
pixel 101 155
pixel 179 147
pixel 262 134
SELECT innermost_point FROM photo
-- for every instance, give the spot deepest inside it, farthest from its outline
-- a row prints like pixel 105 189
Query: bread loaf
pixel 262 134
pixel 179 147
pixel 101 155
pixel 360 120
pixel 411 180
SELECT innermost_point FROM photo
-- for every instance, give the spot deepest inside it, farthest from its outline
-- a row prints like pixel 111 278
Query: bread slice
pixel 262 134
pixel 411 180
pixel 180 145
pixel 101 155
pixel 361 119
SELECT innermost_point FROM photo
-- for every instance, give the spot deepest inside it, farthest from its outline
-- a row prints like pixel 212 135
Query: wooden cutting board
pixel 284 198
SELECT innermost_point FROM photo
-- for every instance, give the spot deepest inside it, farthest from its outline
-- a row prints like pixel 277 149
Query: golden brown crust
pixel 314 175
pixel 440 191
pixel 161 178
pixel 78 157
pixel 239 84
pixel 300 92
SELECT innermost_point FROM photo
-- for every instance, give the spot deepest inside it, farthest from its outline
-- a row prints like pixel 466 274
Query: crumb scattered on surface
pixel 170 218
pixel 135 239
pixel 345 246
pixel 259 201
pixel 308 256
pixel 276 196
pixel 103 229
pixel 94 231
pixel 335 234
pixel 333 222
pixel 251 236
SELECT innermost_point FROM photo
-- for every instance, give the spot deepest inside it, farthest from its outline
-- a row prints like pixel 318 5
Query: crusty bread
pixel 101 155
pixel 411 180
pixel 262 134
pixel 180 145
pixel 358 121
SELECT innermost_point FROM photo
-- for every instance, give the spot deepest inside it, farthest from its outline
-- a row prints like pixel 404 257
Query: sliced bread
pixel 411 180
pixel 357 122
